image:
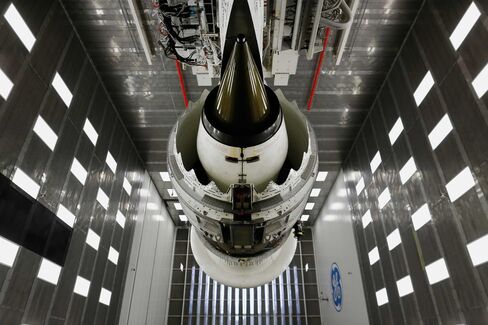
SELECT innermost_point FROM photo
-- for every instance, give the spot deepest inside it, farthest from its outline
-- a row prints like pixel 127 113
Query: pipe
pixel 182 83
pixel 318 69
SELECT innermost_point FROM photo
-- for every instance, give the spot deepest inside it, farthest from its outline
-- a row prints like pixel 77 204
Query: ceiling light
pixel 45 133
pixel 374 256
pixel 66 216
pixel 304 217
pixel 102 198
pixel 8 253
pixel 165 176
pixel 384 198
pixel 93 239
pixel 112 164
pixel 79 171
pixel 183 218
pixel 393 239
pixel 423 88
pixel 381 297
pixel 178 206
pixel 26 183
pixel 440 131
pixel 375 162
pixel 395 131
pixel 15 20
pixel 172 192
pixel 360 186
pixel 315 192
pixel 477 250
pixel 90 132
pixel 465 25
pixel 113 255
pixel 321 176
pixel 480 83
pixel 421 217
pixel 49 272
pixel 407 170
pixel 82 286
pixel 182 268
pixel 5 85
pixel 366 219
pixel 404 286
pixel 127 186
pixel 62 90
pixel 460 184
pixel 105 296
pixel 437 271
pixel 120 219
pixel 309 206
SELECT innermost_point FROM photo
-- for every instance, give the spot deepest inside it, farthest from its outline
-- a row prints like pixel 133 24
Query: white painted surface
pixel 334 242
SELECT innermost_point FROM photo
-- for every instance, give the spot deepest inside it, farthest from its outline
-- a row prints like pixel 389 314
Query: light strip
pixel 90 132
pixel 260 301
pixel 82 286
pixel 26 183
pixel 229 301
pixel 480 83
pixel 478 250
pixel 102 198
pixel 366 219
pixel 375 162
pixel 421 217
pixel 199 292
pixel 407 170
pixel 393 239
pixel 374 256
pixel 127 186
pixel 381 297
pixel 6 85
pixel 465 25
pixel 113 255
pixel 165 176
pixel 384 198
pixel 112 164
pixel 45 133
pixel 62 89
pixel 251 301
pixel 120 219
pixel 440 131
pixel 79 171
pixel 404 286
pixel 49 272
pixel 360 186
pixel 8 253
pixel 304 217
pixel 93 239
pixel 19 26
pixel 423 88
pixel 214 299
pixel 395 131
pixel 183 218
pixel 460 184
pixel 266 298
pixel 297 295
pixel 437 271
pixel 309 206
pixel 66 216
pixel 315 192
pixel 282 294
pixel 321 176
pixel 222 298
pixel 236 301
pixel 105 296
pixel 192 289
pixel 206 301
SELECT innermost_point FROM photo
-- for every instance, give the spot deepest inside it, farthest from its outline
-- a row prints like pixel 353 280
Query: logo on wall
pixel 336 285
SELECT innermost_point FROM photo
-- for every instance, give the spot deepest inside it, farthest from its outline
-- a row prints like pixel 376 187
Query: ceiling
pixel 148 97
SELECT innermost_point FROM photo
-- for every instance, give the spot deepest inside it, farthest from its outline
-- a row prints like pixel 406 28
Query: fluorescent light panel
pixel 62 89
pixel 321 176
pixel 90 132
pixel 366 219
pixel 464 26
pixel 6 85
pixel 304 217
pixel 405 286
pixel 315 192
pixel 183 218
pixel 45 133
pixel 480 83
pixel 360 186
pixel 93 239
pixel 102 198
pixel 478 250
pixel 113 255
pixel 309 206
pixel 393 239
pixel 105 296
pixel 395 131
pixel 374 256
pixel 423 88
pixel 26 183
pixel 112 164
pixel 178 206
pixel 49 271
pixel 8 252
pixel 437 271
pixel 407 170
pixel 19 26
pixel 66 216
pixel 375 162
pixel 82 286
pixel 172 192
pixel 384 198
pixel 381 297
pixel 421 217
pixel 165 176
pixel 460 184
pixel 440 131
pixel 79 171
pixel 120 219
pixel 127 186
